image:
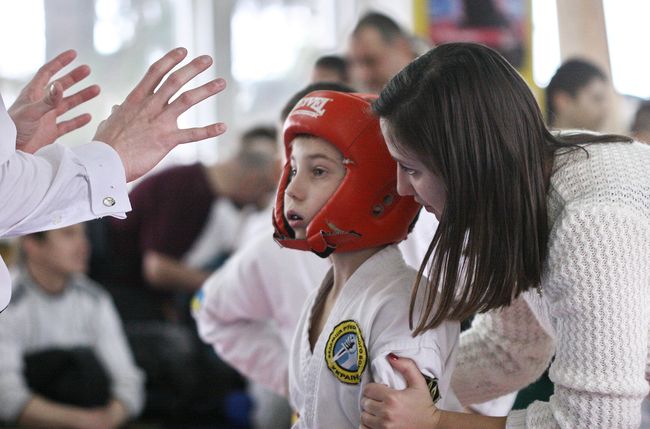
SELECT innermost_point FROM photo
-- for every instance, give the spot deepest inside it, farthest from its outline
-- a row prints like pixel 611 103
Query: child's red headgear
pixel 365 211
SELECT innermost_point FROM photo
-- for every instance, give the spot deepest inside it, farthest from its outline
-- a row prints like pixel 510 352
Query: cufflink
pixel 109 201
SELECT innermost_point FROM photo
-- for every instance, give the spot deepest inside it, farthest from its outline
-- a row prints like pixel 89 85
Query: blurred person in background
pixel 65 359
pixel 330 68
pixel 186 220
pixel 377 50
pixel 577 96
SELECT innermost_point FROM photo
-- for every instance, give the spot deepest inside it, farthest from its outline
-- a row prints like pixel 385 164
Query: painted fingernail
pixel 392 356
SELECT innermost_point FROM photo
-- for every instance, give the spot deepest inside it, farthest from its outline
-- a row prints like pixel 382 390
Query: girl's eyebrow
pixel 398 159
pixel 402 162
pixel 320 156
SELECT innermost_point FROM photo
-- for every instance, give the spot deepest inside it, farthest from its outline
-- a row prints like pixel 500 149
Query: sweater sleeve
pixel 58 186
pixel 503 351
pixel 598 278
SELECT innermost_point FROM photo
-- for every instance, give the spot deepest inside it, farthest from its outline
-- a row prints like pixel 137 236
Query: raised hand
pixel 41 102
pixel 143 129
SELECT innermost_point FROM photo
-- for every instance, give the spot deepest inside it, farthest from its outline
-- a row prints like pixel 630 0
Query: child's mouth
pixel 295 220
pixel 291 215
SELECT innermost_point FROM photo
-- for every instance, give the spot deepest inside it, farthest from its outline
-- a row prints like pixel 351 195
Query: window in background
pixel 267 39
pixel 115 22
pixel 627 35
pixel 119 39
pixel 546 41
pixel 273 46
pixel 22 47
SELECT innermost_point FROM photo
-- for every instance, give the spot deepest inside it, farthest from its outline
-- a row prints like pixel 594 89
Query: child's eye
pixel 407 170
pixel 319 171
pixel 292 172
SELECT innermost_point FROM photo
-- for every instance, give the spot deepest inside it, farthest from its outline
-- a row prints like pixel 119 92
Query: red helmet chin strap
pixel 323 244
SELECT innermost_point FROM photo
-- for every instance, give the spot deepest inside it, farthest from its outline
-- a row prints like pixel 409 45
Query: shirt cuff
pixel 108 190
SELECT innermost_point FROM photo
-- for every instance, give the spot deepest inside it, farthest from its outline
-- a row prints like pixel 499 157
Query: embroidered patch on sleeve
pixel 345 352
pixel 197 301
pixel 432 384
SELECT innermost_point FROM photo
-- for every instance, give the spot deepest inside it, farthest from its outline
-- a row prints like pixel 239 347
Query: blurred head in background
pixel 330 68
pixel 378 49
pixel 51 257
pixel 577 96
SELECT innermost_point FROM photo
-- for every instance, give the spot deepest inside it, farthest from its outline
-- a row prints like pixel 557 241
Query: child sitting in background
pixel 65 359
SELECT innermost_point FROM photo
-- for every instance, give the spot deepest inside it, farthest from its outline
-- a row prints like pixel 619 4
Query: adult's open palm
pixel 143 129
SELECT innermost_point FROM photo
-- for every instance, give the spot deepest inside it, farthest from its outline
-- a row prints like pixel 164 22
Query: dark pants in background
pixel 69 376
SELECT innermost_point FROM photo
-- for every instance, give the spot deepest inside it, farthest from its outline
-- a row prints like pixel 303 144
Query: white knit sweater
pixel 594 310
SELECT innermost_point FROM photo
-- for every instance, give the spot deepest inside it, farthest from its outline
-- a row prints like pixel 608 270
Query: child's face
pixel 63 251
pixel 316 172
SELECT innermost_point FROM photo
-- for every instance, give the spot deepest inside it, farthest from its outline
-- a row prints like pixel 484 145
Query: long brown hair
pixel 472 120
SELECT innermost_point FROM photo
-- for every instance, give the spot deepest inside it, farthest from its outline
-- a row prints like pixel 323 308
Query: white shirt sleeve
pixel 55 187
pixel 58 186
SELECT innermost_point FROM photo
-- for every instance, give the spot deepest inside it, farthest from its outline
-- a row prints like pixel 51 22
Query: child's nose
pixel 294 189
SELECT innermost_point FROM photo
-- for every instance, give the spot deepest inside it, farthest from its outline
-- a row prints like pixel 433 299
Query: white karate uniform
pixel 368 321
pixel 259 293
pixel 55 187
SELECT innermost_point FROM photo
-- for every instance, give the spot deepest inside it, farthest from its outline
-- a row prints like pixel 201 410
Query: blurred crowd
pixel 101 319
